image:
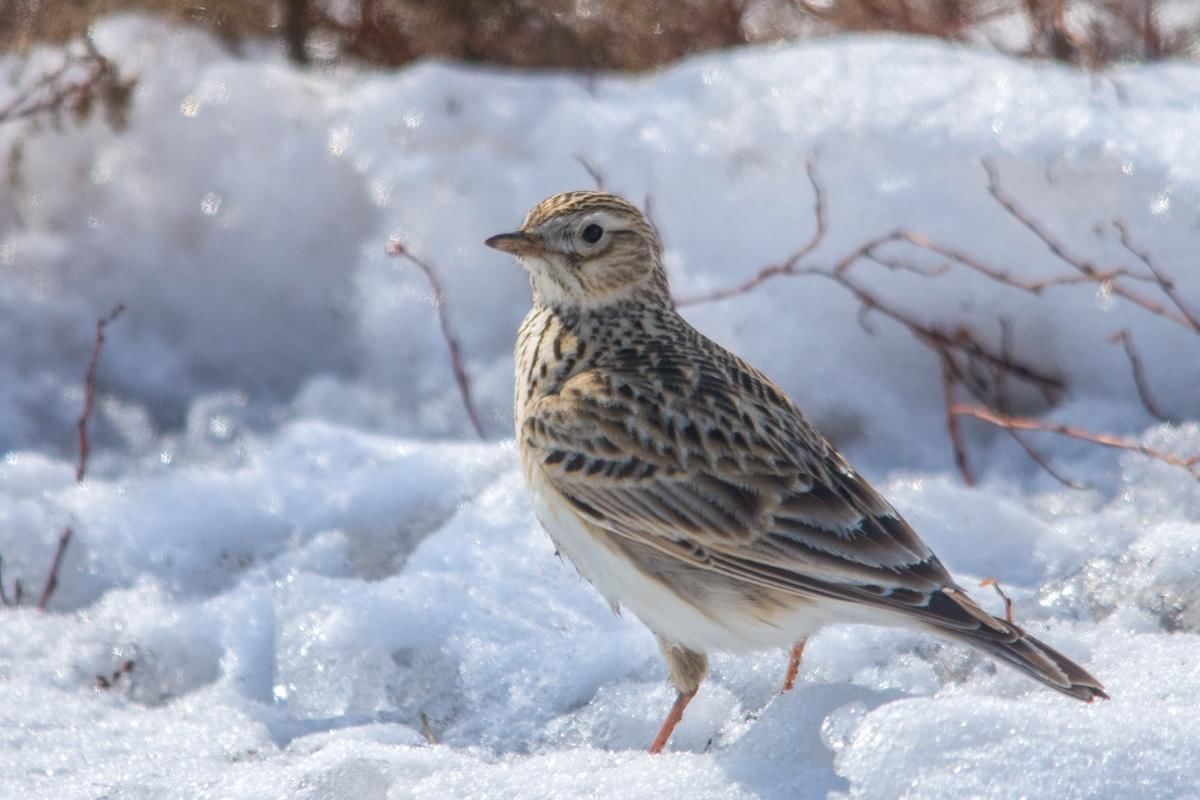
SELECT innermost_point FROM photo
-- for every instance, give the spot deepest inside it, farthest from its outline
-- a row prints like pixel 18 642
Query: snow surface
pixel 289 531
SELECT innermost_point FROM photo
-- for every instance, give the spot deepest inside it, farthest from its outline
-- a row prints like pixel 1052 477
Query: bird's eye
pixel 592 233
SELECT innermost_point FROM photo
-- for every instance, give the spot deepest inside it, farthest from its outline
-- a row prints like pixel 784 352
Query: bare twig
pixel 1008 603
pixel 1167 285
pixel 1043 463
pixel 952 424
pixel 1125 338
pixel 89 390
pixel 53 93
pixel 953 345
pixel 396 248
pixel 51 583
pixel 1106 278
pixel 427 729
pixel 592 170
pixel 1002 403
pixel 1189 463
pixel 123 669
pixel 790 265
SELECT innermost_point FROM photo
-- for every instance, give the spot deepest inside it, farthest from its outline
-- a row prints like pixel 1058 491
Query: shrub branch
pixel 960 346
pixel 50 584
pixel 461 377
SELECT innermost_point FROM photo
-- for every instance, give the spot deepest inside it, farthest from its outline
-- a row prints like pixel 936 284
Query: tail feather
pixel 1012 645
pixel 1042 662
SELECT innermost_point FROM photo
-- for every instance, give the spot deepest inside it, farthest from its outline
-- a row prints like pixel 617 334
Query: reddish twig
pixel 1002 403
pixel 1167 285
pixel 3 594
pixel 952 423
pixel 1003 277
pixel 940 341
pixel 123 669
pixel 1008 603
pixel 790 265
pixel 961 342
pixel 1043 463
pixel 1125 338
pixel 52 93
pixel 51 583
pixel 89 390
pixel 427 729
pixel 1108 278
pixel 396 248
pixel 952 375
pixel 1189 463
pixel 592 170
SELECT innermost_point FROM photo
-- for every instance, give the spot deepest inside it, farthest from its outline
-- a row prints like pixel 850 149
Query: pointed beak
pixel 518 243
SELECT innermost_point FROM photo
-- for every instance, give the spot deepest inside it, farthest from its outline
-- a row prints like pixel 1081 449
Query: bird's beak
pixel 518 243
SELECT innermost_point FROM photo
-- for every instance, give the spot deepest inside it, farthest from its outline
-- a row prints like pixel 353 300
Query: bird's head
pixel 588 250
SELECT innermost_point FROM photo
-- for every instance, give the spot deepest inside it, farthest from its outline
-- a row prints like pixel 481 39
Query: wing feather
pixel 743 487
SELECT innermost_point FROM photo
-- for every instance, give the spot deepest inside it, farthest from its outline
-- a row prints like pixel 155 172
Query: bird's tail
pixel 1009 643
pixel 1042 662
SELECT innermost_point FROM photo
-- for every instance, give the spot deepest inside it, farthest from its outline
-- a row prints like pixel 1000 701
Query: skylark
pixel 687 488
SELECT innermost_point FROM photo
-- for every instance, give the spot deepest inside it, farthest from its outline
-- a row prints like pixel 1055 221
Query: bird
pixel 689 489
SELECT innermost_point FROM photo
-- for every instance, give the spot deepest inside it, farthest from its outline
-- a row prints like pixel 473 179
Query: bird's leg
pixel 668 726
pixel 789 678
pixel 686 668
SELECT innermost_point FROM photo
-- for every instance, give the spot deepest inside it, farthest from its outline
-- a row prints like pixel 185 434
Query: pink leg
pixel 789 679
pixel 673 718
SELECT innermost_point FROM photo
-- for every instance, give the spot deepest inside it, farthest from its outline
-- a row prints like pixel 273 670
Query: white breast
pixel 728 621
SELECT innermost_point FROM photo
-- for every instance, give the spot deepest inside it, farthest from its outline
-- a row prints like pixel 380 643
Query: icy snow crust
pixel 289 532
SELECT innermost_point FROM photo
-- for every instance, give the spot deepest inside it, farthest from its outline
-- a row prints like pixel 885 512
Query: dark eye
pixel 592 233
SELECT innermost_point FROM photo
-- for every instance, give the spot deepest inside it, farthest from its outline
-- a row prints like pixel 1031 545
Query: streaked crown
pixel 588 249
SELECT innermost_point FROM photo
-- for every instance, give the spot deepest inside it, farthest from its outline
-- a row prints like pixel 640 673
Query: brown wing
pixel 711 463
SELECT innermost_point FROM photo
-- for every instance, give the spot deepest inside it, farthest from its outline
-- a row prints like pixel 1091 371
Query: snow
pixel 289 531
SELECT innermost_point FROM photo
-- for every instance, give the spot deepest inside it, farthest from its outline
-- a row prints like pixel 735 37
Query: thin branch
pixel 1125 338
pixel 1006 278
pixel 89 390
pixel 1167 285
pixel 961 342
pixel 51 583
pixel 1043 463
pixel 1003 404
pixel 789 266
pixel 52 93
pixel 1189 463
pixel 953 428
pixel 397 248
pixel 89 404
pixel 427 729
pixel 1087 268
pixel 592 170
pixel 1008 603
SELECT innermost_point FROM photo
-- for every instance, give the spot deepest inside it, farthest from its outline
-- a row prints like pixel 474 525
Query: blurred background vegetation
pixel 632 35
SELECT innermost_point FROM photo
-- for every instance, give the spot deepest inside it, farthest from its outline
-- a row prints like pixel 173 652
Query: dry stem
pixel 397 248
pixel 64 538
pixel 52 93
pixel 961 342
pixel 89 391
pixel 1008 603
pixel 1125 338
pixel 592 170
pixel 1190 463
